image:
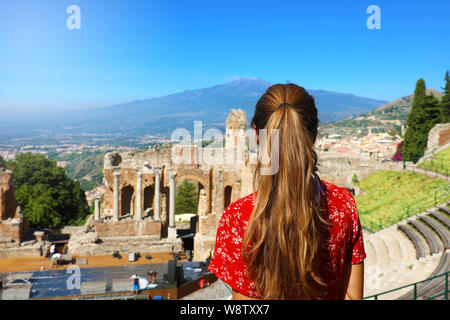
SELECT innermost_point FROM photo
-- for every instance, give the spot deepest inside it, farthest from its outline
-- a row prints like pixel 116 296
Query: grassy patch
pixel 392 196
pixel 439 163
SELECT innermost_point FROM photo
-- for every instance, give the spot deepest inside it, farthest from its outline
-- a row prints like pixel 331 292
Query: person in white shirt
pixel 55 258
pixel 52 250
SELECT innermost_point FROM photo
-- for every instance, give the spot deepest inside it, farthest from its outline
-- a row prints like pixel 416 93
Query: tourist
pixel 135 284
pixel 296 237
pixel 52 250
pixel 55 259
pixel 152 276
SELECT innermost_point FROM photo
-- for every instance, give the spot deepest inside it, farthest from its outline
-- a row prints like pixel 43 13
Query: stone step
pixel 421 246
pixel 93 287
pixel 381 251
pixel 445 209
pixel 17 292
pixel 393 247
pixel 398 276
pixel 441 217
pixel 406 246
pixel 427 289
pixel 371 258
pixel 442 232
pixel 422 269
pixel 434 244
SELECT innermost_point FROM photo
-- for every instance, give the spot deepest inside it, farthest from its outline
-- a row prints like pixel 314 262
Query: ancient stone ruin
pixel 138 210
pixel 12 225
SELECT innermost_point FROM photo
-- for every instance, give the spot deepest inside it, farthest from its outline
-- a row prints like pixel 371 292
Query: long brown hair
pixel 283 234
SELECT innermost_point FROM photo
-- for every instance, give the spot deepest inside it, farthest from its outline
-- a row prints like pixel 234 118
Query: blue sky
pixel 128 50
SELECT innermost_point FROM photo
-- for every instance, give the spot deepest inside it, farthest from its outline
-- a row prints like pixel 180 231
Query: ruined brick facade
pixel 127 228
pixel 223 175
pixel 12 224
pixel 134 179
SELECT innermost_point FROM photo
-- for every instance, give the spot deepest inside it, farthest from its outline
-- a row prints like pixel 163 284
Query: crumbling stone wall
pixel 438 136
pixel 7 199
pixel 438 139
pixel 127 227
pixel 12 230
pixel 12 223
pixel 338 169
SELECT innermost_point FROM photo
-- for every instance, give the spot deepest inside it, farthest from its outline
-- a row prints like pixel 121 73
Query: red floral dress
pixel 343 242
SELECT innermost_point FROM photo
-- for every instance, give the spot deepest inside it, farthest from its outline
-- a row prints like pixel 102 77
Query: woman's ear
pixel 256 134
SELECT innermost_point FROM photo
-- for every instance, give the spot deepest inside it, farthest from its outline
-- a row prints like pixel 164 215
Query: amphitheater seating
pixel 430 288
pixel 93 287
pixel 16 292
pixel 438 238
pixel 439 229
pixel 410 251
pixel 419 242
pixel 445 209
pixel 441 217
pixel 433 241
pixel 121 285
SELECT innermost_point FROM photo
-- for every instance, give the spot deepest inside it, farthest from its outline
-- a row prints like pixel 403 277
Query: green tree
pixel 48 198
pixel 432 113
pixel 424 114
pixel 445 101
pixel 414 136
pixel 187 198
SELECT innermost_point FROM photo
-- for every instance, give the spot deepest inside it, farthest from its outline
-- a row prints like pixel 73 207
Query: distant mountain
pixel 211 105
pixel 215 102
pixel 387 117
pixel 399 109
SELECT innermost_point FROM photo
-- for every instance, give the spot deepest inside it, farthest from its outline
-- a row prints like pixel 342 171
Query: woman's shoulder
pixel 338 195
pixel 241 208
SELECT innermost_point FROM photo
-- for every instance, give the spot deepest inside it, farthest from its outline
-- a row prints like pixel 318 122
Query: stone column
pixel 97 209
pixel 139 196
pixel 156 209
pixel 219 203
pixel 172 228
pixel 116 195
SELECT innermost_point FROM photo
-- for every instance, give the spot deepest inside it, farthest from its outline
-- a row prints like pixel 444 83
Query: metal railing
pixel 434 167
pixel 374 224
pixel 444 292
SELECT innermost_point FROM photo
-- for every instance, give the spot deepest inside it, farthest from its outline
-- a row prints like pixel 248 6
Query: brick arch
pixel 204 184
pixel 127 194
pixel 227 195
pixel 193 177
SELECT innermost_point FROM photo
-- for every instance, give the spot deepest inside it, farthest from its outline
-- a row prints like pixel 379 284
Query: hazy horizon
pixel 127 51
pixel 114 103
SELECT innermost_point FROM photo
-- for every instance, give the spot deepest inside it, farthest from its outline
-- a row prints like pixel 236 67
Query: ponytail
pixel 283 235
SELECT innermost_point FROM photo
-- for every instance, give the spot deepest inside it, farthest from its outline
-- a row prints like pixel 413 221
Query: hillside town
pixel 379 146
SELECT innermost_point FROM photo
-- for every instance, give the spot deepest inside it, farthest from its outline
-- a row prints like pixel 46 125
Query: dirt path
pixel 35 263
pixel 428 174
